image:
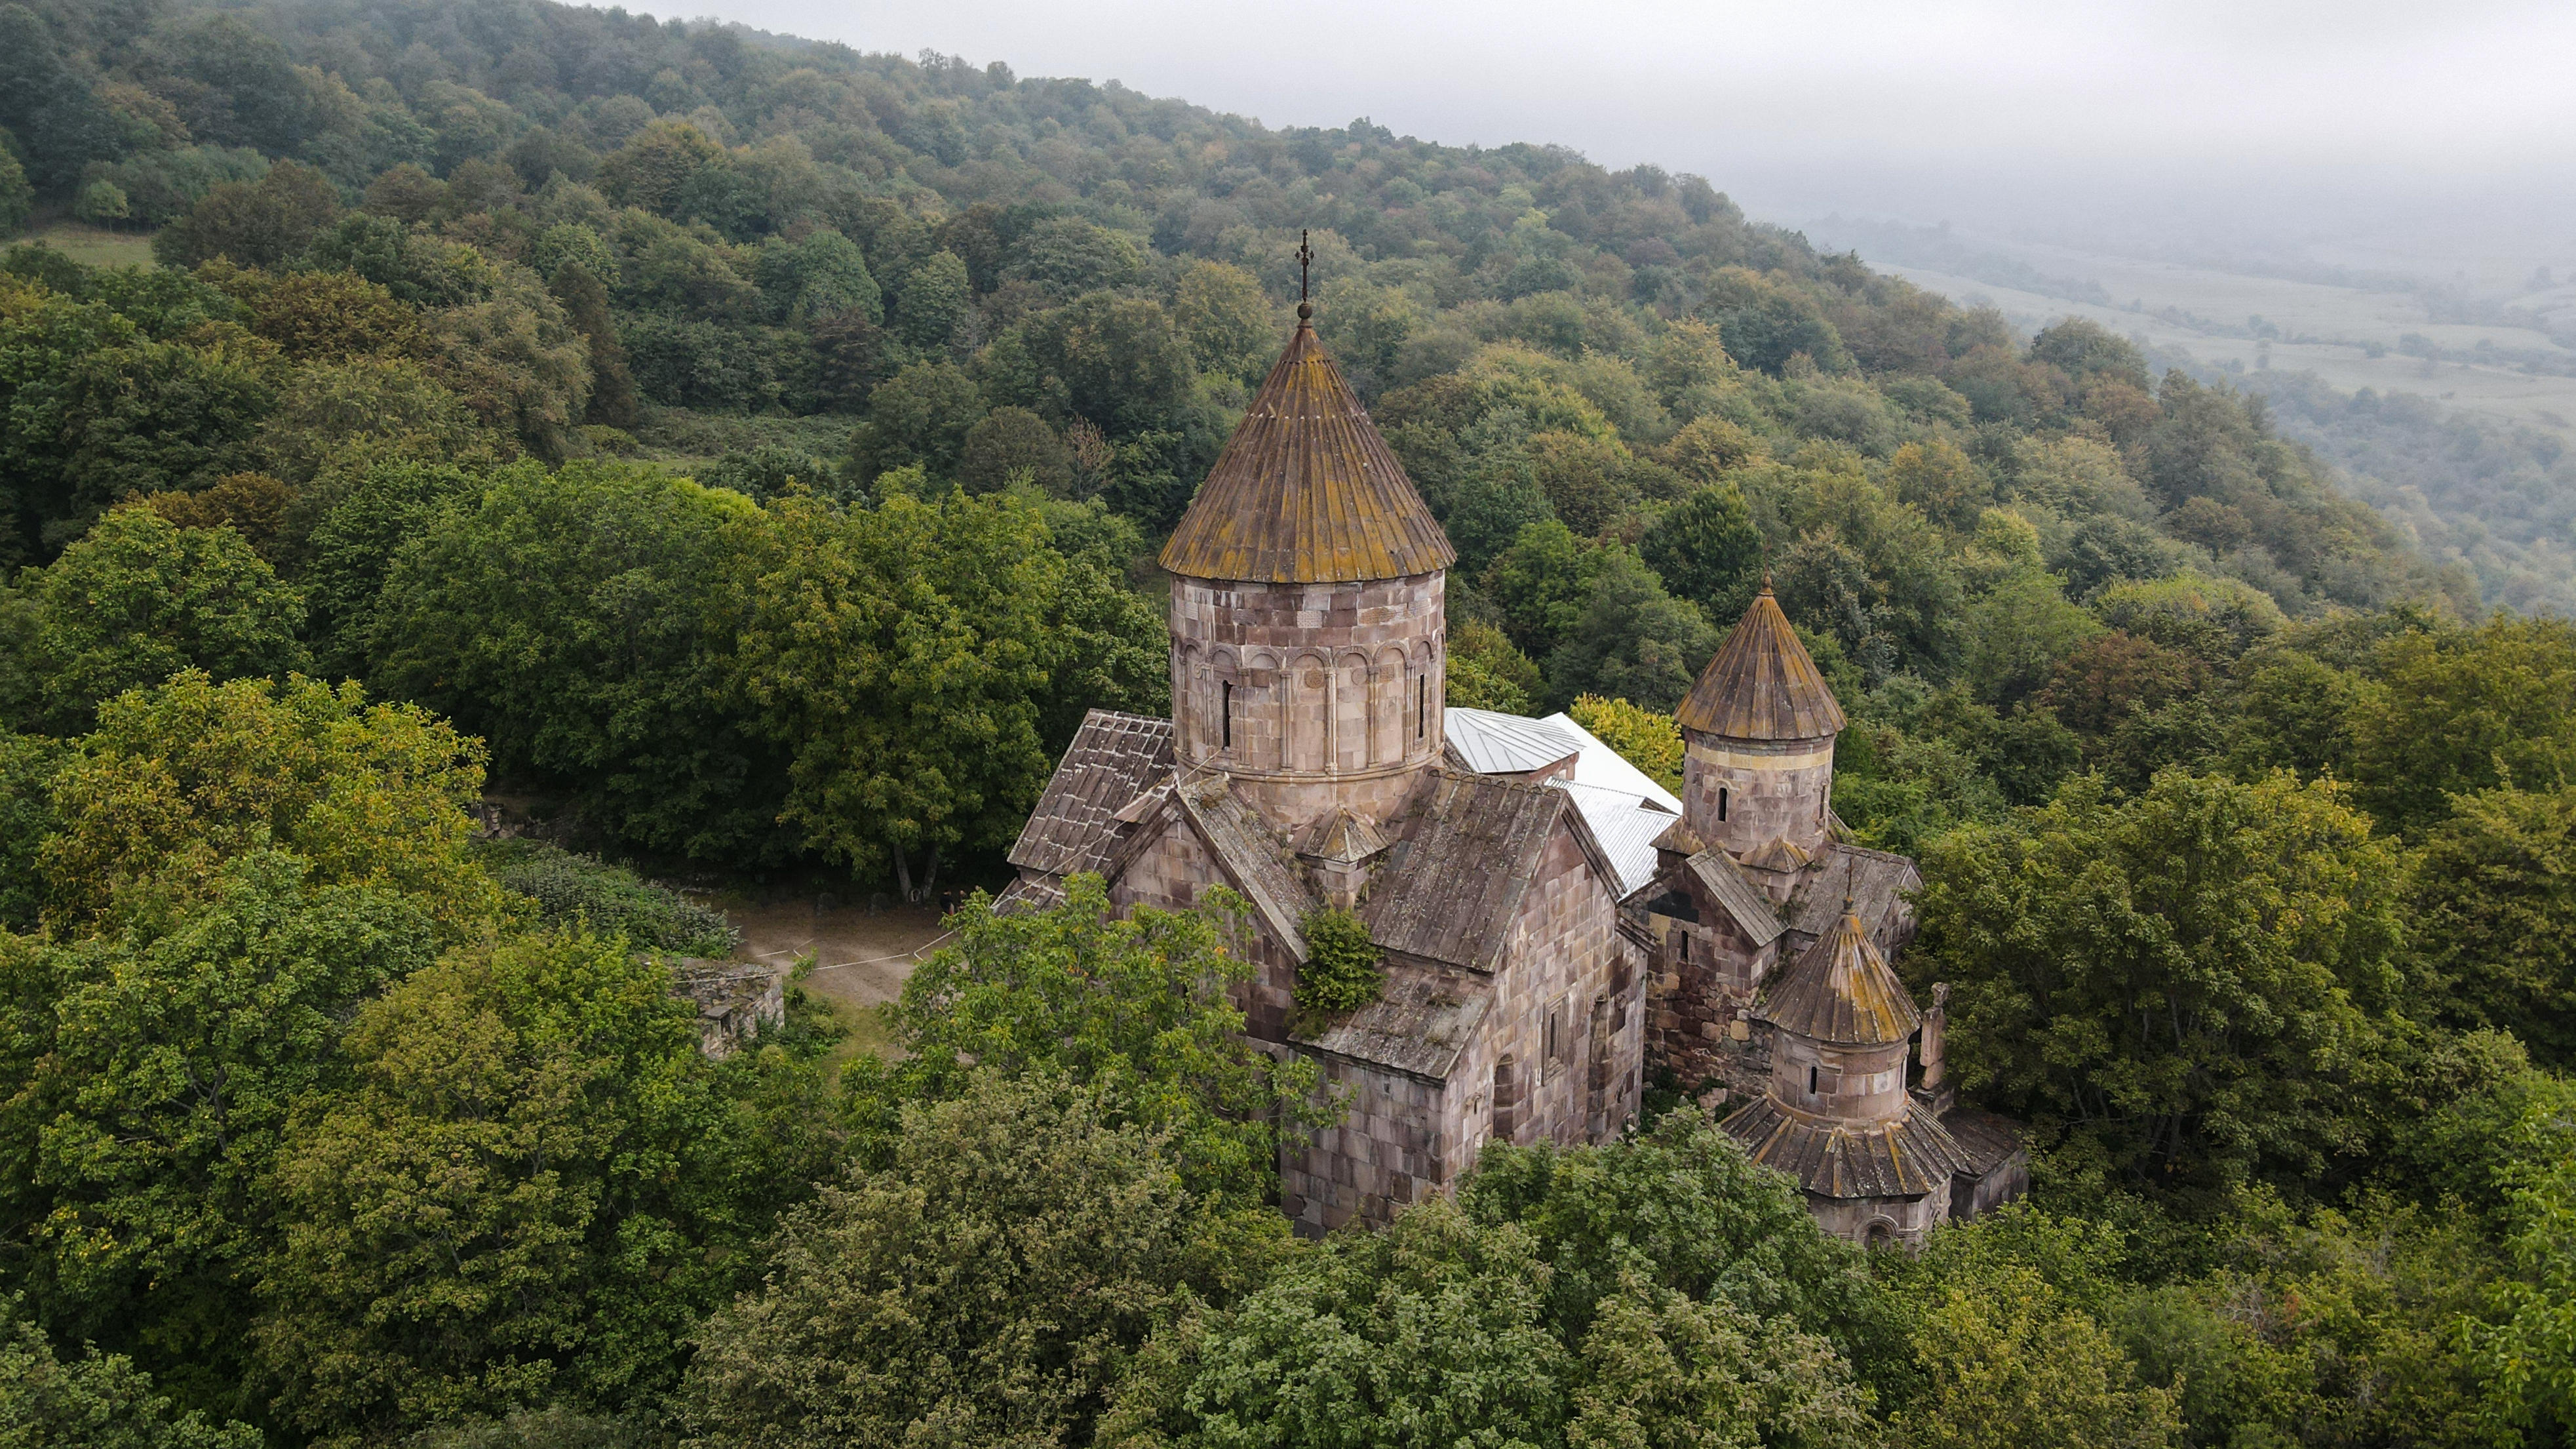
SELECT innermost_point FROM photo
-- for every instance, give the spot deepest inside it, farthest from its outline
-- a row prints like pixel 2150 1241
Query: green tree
pixel 17 198
pixel 1113 359
pixel 163 1061
pixel 901 656
pixel 331 316
pixel 1069 256
pixel 2005 1364
pixel 1678 1206
pixel 1445 1329
pixel 933 302
pixel 1137 1012
pixel 533 1191
pixel 2459 713
pixel 1649 740
pixel 2493 900
pixel 2020 627
pixel 1706 549
pixel 257 224
pixel 352 547
pixel 177 781
pixel 1942 481
pixel 2105 679
pixel 1341 969
pixel 1225 320
pixel 1632 641
pixel 253 505
pixel 2531 1355
pixel 137 600
pixel 47 105
pixel 27 766
pixel 1543 582
pixel 2193 986
pixel 585 307
pixel 824 275
pixel 99 411
pixel 990 1285
pixel 655 164
pixel 1485 670
pixel 565 617
pixel 1009 443
pixel 96 1401
pixel 515 359
pixel 920 415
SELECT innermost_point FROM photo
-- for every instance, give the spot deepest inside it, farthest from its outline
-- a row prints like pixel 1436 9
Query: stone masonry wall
pixel 1697 997
pixel 1859 1085
pixel 1405 1138
pixel 1334 690
pixel 1393 1147
pixel 1870 1220
pixel 1773 790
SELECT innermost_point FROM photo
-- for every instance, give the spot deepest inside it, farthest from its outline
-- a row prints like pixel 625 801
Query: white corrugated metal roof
pixel 1624 806
pixel 1507 744
pixel 1625 825
pixel 1603 766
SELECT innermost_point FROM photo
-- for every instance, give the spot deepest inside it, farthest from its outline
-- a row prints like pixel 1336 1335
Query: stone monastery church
pixel 1555 924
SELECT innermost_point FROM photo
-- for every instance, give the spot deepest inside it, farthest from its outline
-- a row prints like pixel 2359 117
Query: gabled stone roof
pixel 1306 491
pixel 1113 759
pixel 1984 1139
pixel 1841 991
pixel 1905 1158
pixel 1255 860
pixel 1423 1018
pixel 1467 848
pixel 1762 685
pixel 1874 881
pixel 1738 897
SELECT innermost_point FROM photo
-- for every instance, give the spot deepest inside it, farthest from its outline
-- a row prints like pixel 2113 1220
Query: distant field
pixel 93 246
pixel 2343 318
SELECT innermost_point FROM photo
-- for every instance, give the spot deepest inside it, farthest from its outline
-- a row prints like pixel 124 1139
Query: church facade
pixel 1554 924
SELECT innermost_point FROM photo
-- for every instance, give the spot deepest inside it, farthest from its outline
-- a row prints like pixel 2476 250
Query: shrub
pixel 1341 972
pixel 573 890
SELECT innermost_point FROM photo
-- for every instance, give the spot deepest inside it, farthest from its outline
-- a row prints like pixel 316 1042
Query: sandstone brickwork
pixel 1310 696
pixel 1744 794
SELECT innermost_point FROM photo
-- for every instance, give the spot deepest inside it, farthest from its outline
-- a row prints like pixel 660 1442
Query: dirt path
pixel 860 960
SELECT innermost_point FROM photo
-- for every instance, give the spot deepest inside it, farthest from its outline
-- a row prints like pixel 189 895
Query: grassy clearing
pixel 94 246
pixel 870 1034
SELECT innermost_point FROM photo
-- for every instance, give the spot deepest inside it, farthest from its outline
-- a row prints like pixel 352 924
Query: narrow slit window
pixel 1421 706
pixel 1721 802
pixel 1811 1081
pixel 1225 709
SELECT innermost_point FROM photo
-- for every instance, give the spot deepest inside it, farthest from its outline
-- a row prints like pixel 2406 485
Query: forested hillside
pixel 758 450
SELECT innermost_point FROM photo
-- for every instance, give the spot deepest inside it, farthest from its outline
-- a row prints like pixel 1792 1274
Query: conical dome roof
pixel 1306 491
pixel 1840 991
pixel 1763 685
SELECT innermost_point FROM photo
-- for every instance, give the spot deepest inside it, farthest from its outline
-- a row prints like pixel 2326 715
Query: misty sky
pixel 2065 116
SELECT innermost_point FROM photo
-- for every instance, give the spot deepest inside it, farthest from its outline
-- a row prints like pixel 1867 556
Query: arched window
pixel 1226 711
pixel 1721 802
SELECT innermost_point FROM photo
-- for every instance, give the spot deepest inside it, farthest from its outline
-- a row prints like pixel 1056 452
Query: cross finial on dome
pixel 1305 259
